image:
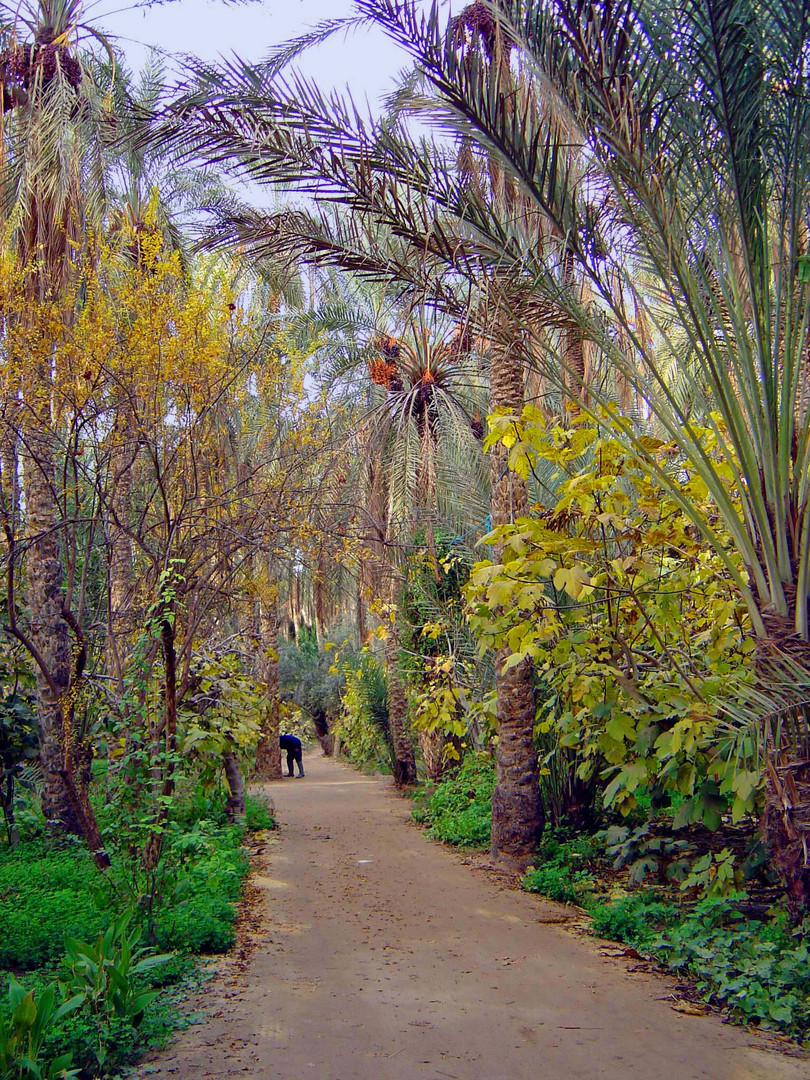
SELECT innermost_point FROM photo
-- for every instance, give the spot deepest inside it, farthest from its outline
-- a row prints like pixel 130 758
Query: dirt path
pixel 383 957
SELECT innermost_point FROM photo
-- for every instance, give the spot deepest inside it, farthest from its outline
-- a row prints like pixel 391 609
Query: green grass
pixel 258 814
pixel 563 871
pixel 636 919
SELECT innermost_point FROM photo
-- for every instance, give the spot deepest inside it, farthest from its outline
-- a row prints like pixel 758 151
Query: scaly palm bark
pixel 404 759
pixel 517 806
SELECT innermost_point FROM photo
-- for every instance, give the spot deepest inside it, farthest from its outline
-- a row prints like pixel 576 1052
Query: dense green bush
pixel 362 725
pixel 202 924
pixel 198 915
pixel 559 883
pixel 76 1035
pixel 258 814
pixel 48 894
pixel 459 809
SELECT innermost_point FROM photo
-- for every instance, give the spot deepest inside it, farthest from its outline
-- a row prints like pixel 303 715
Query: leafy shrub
pixel 23 1031
pixel 108 978
pixel 258 814
pixel 643 853
pixel 363 721
pixel 459 810
pixel 50 897
pixel 756 969
pixel 636 919
pixel 199 915
pixel 563 874
pixel 560 883
pixel 202 924
pixel 77 1034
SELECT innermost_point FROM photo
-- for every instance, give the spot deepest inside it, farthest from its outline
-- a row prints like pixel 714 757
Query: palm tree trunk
pixel 404 760
pixel 433 745
pixel 786 813
pixel 268 751
pixel 573 348
pixel 517 807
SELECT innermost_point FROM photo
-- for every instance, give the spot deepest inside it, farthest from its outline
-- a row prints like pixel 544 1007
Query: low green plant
pixel 77 1034
pixel 24 1030
pixel 108 978
pixel 636 919
pixel 643 853
pixel 459 809
pixel 563 884
pixel 758 970
pixel 45 894
pixel 199 911
pixel 714 874
pixel 200 924
pixel 563 873
pixel 258 814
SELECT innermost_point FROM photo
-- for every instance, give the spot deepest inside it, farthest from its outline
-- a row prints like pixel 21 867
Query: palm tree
pixel 432 397
pixel 696 127
pixel 414 433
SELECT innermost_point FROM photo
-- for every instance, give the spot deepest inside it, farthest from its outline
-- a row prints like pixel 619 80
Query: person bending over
pixel 295 753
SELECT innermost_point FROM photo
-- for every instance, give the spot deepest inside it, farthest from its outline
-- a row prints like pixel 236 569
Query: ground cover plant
pixel 752 965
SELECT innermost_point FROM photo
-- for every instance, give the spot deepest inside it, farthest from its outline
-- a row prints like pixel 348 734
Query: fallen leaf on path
pixel 689 1008
pixel 634 954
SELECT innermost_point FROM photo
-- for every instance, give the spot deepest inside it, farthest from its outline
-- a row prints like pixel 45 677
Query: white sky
pixel 366 61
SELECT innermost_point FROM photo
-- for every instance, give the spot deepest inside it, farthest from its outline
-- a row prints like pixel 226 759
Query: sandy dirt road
pixel 381 956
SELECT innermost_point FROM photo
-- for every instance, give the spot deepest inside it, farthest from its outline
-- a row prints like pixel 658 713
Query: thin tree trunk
pixel 295 605
pixel 320 596
pixel 235 803
pixel 120 548
pixel 268 751
pixel 517 808
pixel 362 628
pixel 50 632
pixel 167 734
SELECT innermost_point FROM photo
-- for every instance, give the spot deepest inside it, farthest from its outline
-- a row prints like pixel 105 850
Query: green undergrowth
pixel 51 894
pixel 459 810
pixel 757 968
